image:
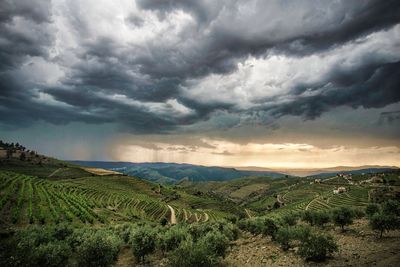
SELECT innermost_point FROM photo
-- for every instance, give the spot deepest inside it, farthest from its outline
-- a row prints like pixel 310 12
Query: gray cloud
pixel 139 84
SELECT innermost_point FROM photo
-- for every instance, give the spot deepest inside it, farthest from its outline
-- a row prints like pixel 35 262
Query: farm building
pixel 339 190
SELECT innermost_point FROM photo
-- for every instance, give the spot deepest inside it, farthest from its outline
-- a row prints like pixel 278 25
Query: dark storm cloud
pixel 390 117
pixel 371 87
pixel 108 80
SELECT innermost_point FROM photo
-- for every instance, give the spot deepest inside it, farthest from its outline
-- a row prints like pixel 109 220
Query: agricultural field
pixel 94 200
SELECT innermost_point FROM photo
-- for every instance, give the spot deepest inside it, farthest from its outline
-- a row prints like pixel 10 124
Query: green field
pixel 28 199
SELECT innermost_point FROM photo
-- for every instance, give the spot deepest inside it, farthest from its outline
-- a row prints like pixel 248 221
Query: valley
pixel 48 193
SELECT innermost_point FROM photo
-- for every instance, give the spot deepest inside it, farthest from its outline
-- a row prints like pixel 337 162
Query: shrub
pixel 143 242
pixel 391 207
pixel 371 209
pixel 100 249
pixel 62 231
pixel 270 227
pixel 321 218
pixel 51 254
pixel 124 230
pixel 37 246
pixel 172 238
pixel 290 219
pixel 317 247
pixel 284 236
pixel 358 213
pixel 308 217
pixel 384 222
pixel 343 216
pixel 215 243
pixel 190 254
pixel 231 231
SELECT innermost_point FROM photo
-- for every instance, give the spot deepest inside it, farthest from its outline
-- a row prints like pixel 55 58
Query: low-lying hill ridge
pixel 174 172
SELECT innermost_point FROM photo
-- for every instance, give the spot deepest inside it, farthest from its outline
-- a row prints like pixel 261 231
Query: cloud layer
pixel 155 66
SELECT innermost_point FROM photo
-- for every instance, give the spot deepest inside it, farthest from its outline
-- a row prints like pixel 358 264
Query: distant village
pixel 16 151
pixel 376 178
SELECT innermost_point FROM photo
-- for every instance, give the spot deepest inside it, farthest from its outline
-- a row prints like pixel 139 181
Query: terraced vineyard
pixel 90 200
pixel 320 196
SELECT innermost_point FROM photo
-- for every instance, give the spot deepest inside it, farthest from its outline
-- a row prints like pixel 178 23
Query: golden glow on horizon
pixel 286 155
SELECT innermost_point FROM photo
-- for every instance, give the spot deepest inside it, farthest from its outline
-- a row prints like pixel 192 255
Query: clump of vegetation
pixel 205 252
pixel 100 249
pixel 371 209
pixel 343 216
pixel 284 236
pixel 264 226
pixel 386 218
pixel 215 243
pixel 317 247
pixel 172 238
pixel 143 242
pixel 290 218
pixel 319 218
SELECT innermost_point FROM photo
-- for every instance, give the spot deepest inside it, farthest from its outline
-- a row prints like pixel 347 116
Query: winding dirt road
pixel 173 217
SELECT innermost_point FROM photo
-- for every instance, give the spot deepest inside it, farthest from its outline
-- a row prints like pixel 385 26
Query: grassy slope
pixel 71 194
pixel 258 194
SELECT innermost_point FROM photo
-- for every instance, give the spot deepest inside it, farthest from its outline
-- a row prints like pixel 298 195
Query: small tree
pixel 317 247
pixel 98 250
pixel 371 209
pixel 270 228
pixel 307 216
pixel 342 216
pixel 172 238
pixel 383 222
pixel 143 242
pixel 321 218
pixel 215 242
pixel 290 219
pixel 284 236
pixel 391 207
pixel 190 254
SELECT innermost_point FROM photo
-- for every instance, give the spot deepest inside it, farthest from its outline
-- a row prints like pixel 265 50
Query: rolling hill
pixel 169 173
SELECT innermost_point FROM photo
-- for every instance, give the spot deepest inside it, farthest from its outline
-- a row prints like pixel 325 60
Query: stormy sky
pixel 234 83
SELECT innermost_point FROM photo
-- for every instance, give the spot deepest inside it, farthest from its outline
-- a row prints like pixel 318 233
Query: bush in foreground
pixel 190 253
pixel 143 241
pixel 371 209
pixel 100 249
pixel 317 247
pixel 172 238
pixel 342 216
pixel 383 222
pixel 207 251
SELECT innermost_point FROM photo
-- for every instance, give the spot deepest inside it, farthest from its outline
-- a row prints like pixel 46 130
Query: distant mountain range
pixel 173 172
pixel 324 171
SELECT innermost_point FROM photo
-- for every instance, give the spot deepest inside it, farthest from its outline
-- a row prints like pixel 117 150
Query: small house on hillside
pixel 339 190
pixel 317 181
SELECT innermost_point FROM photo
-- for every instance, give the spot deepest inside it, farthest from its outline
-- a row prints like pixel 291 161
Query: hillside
pixel 323 171
pixel 54 213
pixel 261 195
pixel 169 173
pixel 46 190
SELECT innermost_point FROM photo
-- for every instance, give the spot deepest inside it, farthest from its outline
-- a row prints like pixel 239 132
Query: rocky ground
pixel 358 246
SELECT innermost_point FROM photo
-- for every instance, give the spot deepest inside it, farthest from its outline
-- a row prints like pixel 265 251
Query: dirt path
pixel 59 169
pixel 125 258
pixel 206 218
pixel 185 215
pixel 248 213
pixel 173 217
